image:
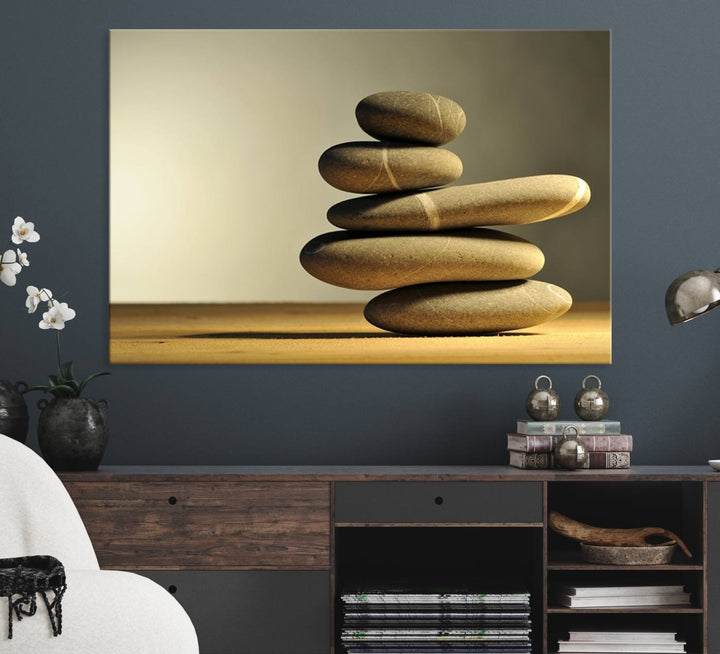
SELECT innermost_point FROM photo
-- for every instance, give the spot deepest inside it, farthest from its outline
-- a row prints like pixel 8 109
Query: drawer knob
pixel 172 500
pixel 172 589
pixel 439 500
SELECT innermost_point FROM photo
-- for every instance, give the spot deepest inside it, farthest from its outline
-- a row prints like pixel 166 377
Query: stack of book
pixel 391 621
pixel 532 444
pixel 597 642
pixel 583 597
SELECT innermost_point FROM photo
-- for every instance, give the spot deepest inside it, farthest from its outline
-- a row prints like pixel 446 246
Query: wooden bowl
pixel 621 555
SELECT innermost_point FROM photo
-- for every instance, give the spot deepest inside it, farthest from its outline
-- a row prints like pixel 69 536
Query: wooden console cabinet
pixel 258 555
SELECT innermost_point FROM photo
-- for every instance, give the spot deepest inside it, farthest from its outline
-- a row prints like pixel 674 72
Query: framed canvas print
pixel 352 196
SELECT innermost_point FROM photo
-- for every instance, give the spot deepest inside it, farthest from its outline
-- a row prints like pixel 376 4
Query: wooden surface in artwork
pixel 337 333
pixel 143 524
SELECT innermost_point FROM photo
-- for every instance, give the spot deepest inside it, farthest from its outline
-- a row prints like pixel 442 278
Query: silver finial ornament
pixel 543 403
pixel 570 452
pixel 591 403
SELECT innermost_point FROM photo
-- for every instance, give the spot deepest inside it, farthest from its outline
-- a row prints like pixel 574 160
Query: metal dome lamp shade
pixel 691 295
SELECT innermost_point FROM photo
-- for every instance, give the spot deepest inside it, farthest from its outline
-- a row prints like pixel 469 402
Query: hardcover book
pixel 530 460
pixel 624 636
pixel 623 648
pixel 596 460
pixel 555 427
pixel 669 599
pixel 546 442
pixel 614 591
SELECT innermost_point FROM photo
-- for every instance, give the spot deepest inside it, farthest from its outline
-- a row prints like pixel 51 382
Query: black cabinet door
pixel 439 501
pixel 254 612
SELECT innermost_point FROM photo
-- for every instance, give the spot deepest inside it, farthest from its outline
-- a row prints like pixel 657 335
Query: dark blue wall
pixel 664 383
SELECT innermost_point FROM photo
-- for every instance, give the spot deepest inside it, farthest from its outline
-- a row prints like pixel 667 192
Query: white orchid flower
pixel 22 258
pixel 36 296
pixel 23 231
pixel 56 317
pixel 9 267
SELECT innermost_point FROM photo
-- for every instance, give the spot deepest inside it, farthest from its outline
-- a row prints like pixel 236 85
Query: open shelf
pixel 566 560
pixel 687 623
pixel 485 559
pixel 675 506
pixel 626 609
pixel 679 507
pixel 531 555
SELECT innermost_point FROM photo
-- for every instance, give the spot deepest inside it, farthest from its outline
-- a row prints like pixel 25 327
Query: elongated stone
pixel 504 202
pixel 467 307
pixel 410 116
pixel 380 261
pixel 370 167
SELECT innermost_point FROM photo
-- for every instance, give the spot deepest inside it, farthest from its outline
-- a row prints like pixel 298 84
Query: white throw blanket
pixel 104 612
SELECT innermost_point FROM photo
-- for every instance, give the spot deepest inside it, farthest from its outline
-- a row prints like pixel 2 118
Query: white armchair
pixel 104 612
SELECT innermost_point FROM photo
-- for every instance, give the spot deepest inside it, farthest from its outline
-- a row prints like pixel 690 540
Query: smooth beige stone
pixel 410 116
pixel 504 202
pixel 467 307
pixel 375 262
pixel 369 167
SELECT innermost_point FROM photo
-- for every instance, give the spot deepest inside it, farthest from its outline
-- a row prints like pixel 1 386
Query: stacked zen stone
pixel 450 276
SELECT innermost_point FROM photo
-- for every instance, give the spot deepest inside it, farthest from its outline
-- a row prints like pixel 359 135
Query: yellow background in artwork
pixel 215 137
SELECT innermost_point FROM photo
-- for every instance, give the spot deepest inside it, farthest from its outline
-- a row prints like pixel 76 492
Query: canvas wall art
pixel 379 196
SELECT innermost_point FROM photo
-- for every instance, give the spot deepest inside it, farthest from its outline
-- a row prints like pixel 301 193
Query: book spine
pixel 608 460
pixel 530 461
pixel 596 460
pixel 593 442
pixel 531 443
pixel 555 428
pixel 603 461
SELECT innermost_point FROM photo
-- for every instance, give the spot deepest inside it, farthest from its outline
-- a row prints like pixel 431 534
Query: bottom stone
pixel 467 307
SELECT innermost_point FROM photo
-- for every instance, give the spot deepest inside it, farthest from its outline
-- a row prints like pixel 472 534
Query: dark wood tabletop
pixel 391 473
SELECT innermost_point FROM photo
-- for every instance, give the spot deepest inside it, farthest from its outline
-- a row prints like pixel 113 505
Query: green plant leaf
pixel 61 390
pixel 65 371
pixel 88 379
pixel 45 389
pixel 54 381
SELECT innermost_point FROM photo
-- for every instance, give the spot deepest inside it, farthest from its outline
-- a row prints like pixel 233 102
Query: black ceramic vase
pixel 13 410
pixel 72 433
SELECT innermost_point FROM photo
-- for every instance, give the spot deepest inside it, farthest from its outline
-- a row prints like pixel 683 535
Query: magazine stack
pixel 624 642
pixel 403 621
pixel 583 597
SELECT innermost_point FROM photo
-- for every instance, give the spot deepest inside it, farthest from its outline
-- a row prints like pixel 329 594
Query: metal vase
pixel 570 452
pixel 591 403
pixel 13 410
pixel 543 403
pixel 73 433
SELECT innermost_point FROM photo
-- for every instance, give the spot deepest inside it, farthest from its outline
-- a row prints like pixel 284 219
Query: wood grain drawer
pixel 469 502
pixel 219 525
pixel 254 611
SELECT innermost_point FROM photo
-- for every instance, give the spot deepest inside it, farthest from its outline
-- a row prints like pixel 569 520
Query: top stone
pixel 410 116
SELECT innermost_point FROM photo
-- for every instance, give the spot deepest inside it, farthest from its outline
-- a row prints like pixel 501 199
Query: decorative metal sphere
pixel 591 403
pixel 570 452
pixel 543 403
